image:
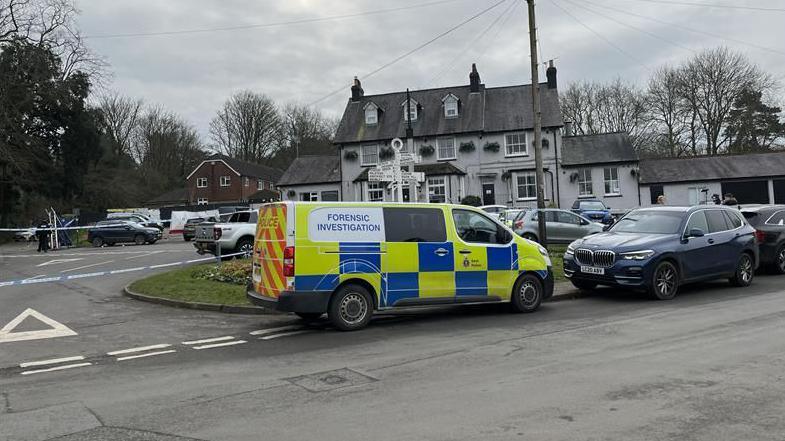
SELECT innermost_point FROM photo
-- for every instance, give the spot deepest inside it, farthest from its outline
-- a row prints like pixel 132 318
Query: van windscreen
pixel 414 225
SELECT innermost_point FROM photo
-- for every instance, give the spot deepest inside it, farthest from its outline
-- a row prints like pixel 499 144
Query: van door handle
pixel 441 252
pixel 711 240
pixel 465 251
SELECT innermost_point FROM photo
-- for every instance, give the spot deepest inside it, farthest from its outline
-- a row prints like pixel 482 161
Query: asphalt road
pixel 705 366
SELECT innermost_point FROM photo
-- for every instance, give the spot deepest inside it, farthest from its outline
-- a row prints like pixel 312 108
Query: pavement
pixel 706 366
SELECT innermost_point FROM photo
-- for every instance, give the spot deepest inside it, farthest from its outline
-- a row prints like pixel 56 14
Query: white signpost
pixel 390 171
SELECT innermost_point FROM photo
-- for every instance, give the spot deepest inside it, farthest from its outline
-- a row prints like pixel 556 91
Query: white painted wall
pixel 299 189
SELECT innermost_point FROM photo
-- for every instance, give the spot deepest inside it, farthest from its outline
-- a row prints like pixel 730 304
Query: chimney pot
pixel 474 80
pixel 357 90
pixel 568 128
pixel 551 74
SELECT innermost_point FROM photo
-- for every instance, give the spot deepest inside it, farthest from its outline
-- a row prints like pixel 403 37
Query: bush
pixel 491 147
pixel 237 272
pixel 427 150
pixel 474 201
pixel 466 147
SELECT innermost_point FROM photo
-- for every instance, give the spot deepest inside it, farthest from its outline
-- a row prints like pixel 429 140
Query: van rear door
pixel 273 231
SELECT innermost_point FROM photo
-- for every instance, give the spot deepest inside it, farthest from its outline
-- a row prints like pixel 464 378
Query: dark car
pixel 660 248
pixel 110 232
pixel 769 224
pixel 593 209
pixel 189 229
pixel 135 217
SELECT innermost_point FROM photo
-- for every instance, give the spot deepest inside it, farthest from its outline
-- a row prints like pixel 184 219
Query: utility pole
pixel 540 176
pixel 410 146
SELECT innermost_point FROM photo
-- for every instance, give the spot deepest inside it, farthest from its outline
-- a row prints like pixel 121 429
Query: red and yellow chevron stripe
pixel 268 249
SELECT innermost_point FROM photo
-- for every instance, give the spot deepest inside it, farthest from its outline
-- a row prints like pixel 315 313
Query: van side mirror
pixel 696 232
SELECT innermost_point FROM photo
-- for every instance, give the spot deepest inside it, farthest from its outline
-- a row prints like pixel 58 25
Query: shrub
pixel 427 150
pixel 237 272
pixel 466 147
pixel 491 147
pixel 350 155
pixel 474 201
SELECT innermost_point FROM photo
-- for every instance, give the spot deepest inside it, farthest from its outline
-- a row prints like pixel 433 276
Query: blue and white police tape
pixel 53 279
pixel 84 227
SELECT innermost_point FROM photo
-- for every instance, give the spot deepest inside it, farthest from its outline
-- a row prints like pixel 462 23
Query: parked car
pixel 27 235
pixel 769 224
pixel 508 216
pixel 561 226
pixel 137 218
pixel 234 236
pixel 660 248
pixel 110 232
pixel 189 229
pixel 493 210
pixel 594 210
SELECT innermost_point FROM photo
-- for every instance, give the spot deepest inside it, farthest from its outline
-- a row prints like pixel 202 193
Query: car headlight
pixel 571 249
pixel 637 255
pixel 542 250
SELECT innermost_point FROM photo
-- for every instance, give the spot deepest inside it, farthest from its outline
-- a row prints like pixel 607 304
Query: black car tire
pixel 527 294
pixel 350 308
pixel 244 246
pixel 98 242
pixel 664 281
pixel 139 239
pixel 584 285
pixel 309 316
pixel 745 271
pixel 779 260
pixel 153 241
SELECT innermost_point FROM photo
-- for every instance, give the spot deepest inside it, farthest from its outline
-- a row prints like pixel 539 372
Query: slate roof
pixel 441 168
pixel 712 168
pixel 248 168
pixel 597 149
pixel 312 170
pixel 493 109
pixel 264 196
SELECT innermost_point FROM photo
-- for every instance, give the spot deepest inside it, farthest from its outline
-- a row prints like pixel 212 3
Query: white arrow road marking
pixel 58 261
pixel 58 329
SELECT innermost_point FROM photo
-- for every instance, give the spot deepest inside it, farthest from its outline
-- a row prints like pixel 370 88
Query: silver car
pixel 562 226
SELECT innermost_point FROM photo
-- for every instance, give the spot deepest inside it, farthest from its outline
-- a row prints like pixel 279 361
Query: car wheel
pixel 153 241
pixel 244 246
pixel 530 237
pixel 583 285
pixel 309 316
pixel 139 239
pixel 527 294
pixel 745 271
pixel 665 281
pixel 350 308
pixel 779 260
pixel 98 242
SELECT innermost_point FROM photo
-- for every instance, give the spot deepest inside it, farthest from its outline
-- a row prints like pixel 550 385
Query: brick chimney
pixel 551 74
pixel 474 80
pixel 357 90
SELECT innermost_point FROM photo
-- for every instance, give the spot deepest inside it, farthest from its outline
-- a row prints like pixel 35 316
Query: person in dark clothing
pixel 43 236
pixel 716 199
pixel 729 200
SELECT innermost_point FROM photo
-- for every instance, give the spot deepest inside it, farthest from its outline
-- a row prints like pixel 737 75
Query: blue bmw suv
pixel 660 248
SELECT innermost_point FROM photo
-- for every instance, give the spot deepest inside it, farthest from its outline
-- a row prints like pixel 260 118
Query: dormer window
pixel 371 114
pixel 450 106
pixel 411 110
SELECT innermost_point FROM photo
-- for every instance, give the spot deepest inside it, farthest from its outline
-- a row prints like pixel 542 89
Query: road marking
pixel 57 329
pixel 36 277
pixel 220 345
pixel 149 354
pixel 52 361
pixel 86 266
pixel 139 349
pixel 57 261
pixel 107 253
pixel 127 270
pixel 58 368
pixel 143 255
pixel 164 265
pixel 285 334
pixel 208 340
pixel 274 330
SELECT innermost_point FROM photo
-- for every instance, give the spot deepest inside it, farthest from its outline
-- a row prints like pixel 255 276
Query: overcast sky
pixel 193 73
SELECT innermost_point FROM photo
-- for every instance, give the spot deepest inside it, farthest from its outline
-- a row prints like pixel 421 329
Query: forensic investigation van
pixel 351 259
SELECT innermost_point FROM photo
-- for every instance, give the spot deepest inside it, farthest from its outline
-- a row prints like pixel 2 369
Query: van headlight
pixel 542 250
pixel 637 255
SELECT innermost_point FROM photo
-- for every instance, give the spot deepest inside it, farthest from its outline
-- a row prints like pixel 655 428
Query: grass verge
pixel 557 258
pixel 181 284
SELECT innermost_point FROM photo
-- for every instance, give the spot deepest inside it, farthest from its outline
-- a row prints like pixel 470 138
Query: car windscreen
pixel 650 222
pixel 593 206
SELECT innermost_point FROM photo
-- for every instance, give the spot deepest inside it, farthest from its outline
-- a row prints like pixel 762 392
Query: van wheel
pixel 664 282
pixel 350 308
pixel 98 242
pixel 309 316
pixel 527 294
pixel 139 239
pixel 745 271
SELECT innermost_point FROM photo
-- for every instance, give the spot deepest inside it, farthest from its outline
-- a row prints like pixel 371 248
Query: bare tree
pixel 247 127
pixel 304 125
pixel 120 118
pixel 710 83
pixel 669 111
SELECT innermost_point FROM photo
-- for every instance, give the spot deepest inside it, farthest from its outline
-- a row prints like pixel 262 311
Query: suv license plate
pixel 592 270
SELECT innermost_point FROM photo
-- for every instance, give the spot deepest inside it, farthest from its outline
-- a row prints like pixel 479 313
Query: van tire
pixel 351 308
pixel 527 294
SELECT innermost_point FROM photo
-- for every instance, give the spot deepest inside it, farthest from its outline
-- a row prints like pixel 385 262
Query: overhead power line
pixel 269 25
pixel 688 29
pixel 410 52
pixel 713 5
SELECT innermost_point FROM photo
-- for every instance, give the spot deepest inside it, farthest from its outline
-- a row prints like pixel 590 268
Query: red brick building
pixel 221 179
